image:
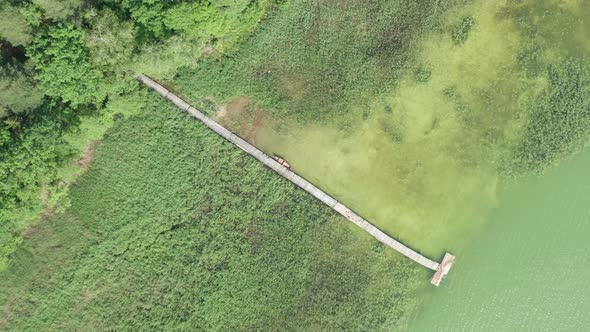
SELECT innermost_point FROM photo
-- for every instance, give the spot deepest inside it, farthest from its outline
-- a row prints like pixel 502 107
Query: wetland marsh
pixel 452 125
pixel 441 155
pixel 489 91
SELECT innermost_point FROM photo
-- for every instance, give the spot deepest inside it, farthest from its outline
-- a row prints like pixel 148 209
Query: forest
pixel 118 213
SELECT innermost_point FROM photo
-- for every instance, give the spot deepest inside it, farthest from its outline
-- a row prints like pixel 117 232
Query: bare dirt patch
pixel 243 117
pixel 87 155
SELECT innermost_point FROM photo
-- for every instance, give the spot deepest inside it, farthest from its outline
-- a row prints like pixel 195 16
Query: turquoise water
pixel 530 267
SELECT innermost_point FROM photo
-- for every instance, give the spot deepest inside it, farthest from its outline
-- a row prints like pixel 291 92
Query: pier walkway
pixel 441 269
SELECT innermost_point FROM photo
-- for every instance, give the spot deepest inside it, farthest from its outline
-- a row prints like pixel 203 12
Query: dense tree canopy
pixel 146 15
pixel 58 9
pixel 63 66
pixel 110 41
pixel 18 89
pixel 31 155
pixel 224 20
pixel 13 25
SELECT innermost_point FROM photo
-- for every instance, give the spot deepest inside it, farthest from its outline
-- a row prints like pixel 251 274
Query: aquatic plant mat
pixel 410 113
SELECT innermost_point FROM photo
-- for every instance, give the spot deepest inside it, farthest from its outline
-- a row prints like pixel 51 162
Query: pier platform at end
pixel 443 269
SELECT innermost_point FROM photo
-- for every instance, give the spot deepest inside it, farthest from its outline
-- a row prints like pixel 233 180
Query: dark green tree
pixel 58 9
pixel 13 25
pixel 222 20
pixel 110 42
pixel 18 89
pixel 63 66
pixel 29 158
pixel 147 16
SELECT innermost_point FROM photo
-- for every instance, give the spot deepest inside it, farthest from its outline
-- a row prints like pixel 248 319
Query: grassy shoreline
pixel 174 227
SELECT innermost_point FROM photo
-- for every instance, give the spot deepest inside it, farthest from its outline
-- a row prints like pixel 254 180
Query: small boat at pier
pixel 281 161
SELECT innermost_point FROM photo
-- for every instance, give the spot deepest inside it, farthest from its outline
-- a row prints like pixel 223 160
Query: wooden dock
pixel 441 269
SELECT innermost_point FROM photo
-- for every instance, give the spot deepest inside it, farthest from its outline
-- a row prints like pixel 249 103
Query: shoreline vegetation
pixel 156 237
pixel 149 234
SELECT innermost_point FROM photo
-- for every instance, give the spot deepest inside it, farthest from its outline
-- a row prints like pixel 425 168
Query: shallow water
pixel 422 161
pixel 529 268
pixel 395 187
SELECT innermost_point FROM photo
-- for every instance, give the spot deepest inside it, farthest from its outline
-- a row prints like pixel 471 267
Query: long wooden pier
pixel 441 269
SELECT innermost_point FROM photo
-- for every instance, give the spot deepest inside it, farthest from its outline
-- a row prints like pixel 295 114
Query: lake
pixel 529 268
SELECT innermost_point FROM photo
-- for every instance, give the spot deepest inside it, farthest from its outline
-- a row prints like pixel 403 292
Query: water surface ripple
pixel 530 268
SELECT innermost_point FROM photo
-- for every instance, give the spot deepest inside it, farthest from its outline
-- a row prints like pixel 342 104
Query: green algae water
pixel 530 266
pixel 423 160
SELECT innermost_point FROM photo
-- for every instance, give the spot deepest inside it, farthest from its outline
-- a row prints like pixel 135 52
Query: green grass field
pixel 173 227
